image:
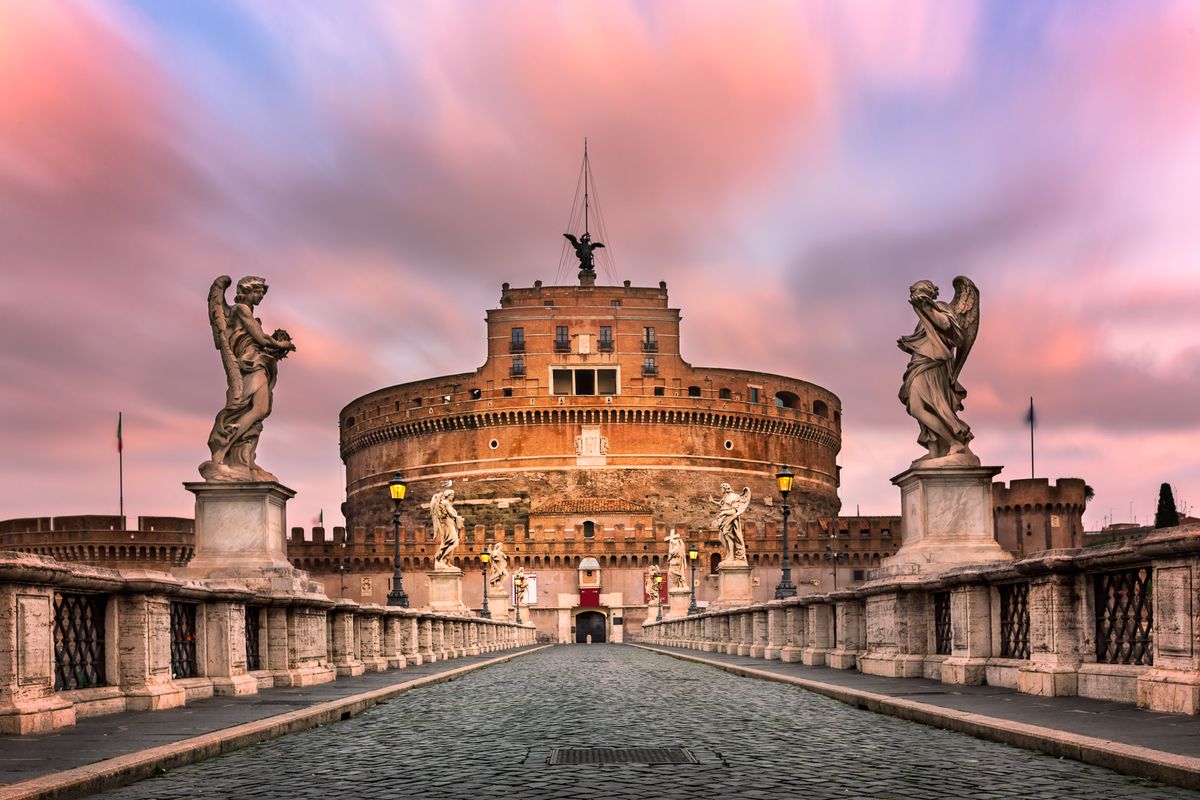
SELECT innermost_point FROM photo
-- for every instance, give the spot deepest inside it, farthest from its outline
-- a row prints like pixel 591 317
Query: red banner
pixel 589 598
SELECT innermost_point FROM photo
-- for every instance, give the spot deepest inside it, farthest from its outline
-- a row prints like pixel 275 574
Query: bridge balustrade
pixel 88 640
pixel 1114 622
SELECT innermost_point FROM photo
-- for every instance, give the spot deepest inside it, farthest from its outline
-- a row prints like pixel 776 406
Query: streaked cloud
pixel 789 172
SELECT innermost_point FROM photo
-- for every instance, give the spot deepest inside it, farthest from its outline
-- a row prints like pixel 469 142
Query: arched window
pixel 786 400
pixel 589 529
pixel 713 561
pixel 820 408
pixel 725 394
pixel 693 391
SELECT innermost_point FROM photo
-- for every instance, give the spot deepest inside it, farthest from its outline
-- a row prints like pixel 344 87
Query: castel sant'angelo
pixel 583 439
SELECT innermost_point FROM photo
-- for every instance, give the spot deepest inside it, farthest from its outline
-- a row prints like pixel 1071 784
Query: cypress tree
pixel 1167 516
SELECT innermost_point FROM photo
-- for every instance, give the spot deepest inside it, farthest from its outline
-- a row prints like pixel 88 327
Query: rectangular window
pixel 754 391
pixel 585 381
pixel 562 381
pixel 659 391
pixel 518 366
pixel 562 339
pixel 606 381
pixel 517 343
pixel 649 366
pixel 616 304
pixel 649 342
pixel 606 340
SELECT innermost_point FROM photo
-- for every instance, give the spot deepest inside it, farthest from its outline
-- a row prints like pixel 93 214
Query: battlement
pixel 96 522
pixel 1035 492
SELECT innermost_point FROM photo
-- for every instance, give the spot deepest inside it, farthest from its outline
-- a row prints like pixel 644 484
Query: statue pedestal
pixel 680 599
pixel 734 589
pixel 445 591
pixel 946 519
pixel 500 605
pixel 241 534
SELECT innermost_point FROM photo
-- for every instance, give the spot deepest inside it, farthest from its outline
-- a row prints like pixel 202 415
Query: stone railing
pixel 1114 623
pixel 77 641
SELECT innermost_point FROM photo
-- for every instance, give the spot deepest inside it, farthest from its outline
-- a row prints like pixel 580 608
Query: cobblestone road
pixel 489 733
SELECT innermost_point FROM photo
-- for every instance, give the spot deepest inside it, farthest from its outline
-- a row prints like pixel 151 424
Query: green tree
pixel 1167 516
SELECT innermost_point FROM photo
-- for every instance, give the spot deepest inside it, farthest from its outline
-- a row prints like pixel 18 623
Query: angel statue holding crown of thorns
pixel 938 348
pixel 249 356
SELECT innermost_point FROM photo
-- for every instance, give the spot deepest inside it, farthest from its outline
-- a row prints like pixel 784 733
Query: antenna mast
pixel 586 179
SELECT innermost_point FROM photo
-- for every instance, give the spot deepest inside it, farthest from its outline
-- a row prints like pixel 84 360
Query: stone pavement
pixel 110 736
pixel 1175 734
pixel 488 734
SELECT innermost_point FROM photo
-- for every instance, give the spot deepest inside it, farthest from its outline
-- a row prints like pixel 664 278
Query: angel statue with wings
pixel 249 356
pixel 497 572
pixel 729 523
pixel 584 247
pixel 447 528
pixel 931 392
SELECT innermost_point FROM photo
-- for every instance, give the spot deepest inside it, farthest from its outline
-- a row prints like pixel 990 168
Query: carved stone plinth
pixel 500 605
pixel 680 599
pixel 241 535
pixel 946 518
pixel 733 586
pixel 445 591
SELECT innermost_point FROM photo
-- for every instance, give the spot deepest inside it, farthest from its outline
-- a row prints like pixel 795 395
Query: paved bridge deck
pixel 490 733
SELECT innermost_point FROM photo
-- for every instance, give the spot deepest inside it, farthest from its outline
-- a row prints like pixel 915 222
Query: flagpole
pixel 120 469
pixel 1032 472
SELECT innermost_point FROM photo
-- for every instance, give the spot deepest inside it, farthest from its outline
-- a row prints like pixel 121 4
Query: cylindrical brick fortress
pixel 584 396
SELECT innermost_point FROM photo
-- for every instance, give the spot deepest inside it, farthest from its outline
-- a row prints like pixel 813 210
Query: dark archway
pixel 590 623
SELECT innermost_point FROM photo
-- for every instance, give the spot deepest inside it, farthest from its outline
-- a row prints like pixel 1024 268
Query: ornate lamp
pixel 519 583
pixel 397 489
pixel 484 558
pixel 693 553
pixel 785 588
pixel 658 584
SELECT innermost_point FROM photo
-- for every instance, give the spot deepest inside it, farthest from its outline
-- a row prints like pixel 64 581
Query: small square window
pixel 548 303
pixel 659 391
pixel 616 304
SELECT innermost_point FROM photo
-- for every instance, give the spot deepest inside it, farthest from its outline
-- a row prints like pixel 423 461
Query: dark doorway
pixel 589 623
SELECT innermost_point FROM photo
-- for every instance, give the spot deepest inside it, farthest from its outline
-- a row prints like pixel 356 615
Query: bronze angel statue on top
pixel 249 356
pixel 931 392
pixel 584 247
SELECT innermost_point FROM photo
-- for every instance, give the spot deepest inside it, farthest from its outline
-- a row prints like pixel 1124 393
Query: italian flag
pixel 120 445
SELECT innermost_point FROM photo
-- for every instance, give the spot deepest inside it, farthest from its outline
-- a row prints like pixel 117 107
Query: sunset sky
pixel 788 168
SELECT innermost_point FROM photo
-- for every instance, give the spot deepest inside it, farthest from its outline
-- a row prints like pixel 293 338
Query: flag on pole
pixel 319 519
pixel 1030 417
pixel 120 444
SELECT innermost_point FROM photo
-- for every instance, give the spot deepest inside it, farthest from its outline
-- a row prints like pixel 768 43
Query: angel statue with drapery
pixel 729 523
pixel 938 348
pixel 250 357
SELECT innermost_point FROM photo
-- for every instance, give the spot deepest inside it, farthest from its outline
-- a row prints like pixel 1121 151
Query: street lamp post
pixel 834 555
pixel 397 596
pixel 484 558
pixel 693 554
pixel 519 583
pixel 785 588
pixel 658 582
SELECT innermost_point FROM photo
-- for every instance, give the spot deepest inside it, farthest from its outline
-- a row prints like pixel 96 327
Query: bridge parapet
pixel 1114 623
